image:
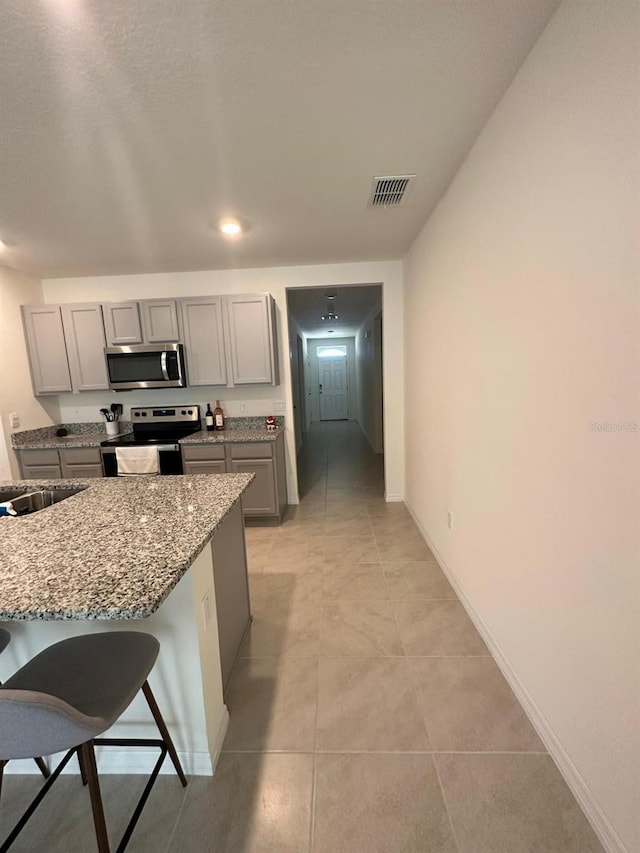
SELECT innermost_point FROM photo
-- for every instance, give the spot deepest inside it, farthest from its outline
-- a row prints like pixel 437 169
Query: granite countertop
pixel 80 435
pixel 93 434
pixel 232 435
pixel 114 550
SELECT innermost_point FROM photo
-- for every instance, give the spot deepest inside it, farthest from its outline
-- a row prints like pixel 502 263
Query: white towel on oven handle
pixel 136 461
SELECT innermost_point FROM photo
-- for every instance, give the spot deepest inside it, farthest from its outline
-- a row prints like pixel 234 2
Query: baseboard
pixel 391 498
pixel 136 761
pixel 570 773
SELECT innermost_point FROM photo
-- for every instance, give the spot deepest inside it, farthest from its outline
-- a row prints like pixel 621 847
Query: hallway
pixel 367 715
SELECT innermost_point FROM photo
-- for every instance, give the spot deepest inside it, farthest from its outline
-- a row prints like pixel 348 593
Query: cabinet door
pixel 46 349
pixel 72 472
pixel 122 323
pixel 41 472
pixel 213 466
pixel 260 497
pixel 159 321
pixel 252 345
pixel 81 462
pixel 203 340
pixel 84 335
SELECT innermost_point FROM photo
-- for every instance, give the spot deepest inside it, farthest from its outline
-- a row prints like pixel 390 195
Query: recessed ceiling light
pixel 230 227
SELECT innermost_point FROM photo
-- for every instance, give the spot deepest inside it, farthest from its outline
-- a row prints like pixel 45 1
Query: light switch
pixel 14 420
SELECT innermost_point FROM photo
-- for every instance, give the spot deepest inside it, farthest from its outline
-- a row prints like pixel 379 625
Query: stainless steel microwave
pixel 146 366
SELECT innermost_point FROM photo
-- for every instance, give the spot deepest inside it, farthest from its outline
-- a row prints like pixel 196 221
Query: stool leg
pixel 166 737
pixel 43 767
pixel 2 763
pixel 87 760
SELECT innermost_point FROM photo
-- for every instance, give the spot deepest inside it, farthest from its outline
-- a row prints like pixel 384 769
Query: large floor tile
pixel 344 581
pixel 359 629
pixel 255 803
pixel 368 704
pixel 379 804
pixel 348 549
pixel 469 706
pixel 280 631
pixel 281 589
pixel 438 628
pixel 342 526
pixel 272 705
pixel 407 546
pixel 412 581
pixel 514 803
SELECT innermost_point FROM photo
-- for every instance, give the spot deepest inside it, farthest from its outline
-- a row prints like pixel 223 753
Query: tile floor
pixel 367 715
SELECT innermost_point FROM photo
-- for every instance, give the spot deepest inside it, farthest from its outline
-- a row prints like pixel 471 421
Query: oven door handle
pixel 163 365
pixel 161 448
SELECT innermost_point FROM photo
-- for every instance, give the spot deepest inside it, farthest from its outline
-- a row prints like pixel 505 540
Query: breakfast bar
pixel 140 553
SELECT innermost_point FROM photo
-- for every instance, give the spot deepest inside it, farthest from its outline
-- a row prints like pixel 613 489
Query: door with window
pixel 333 386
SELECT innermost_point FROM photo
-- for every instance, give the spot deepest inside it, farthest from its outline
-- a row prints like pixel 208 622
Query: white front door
pixel 334 403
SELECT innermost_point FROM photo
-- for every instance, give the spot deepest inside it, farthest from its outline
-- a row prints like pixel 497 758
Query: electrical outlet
pixel 206 610
pixel 14 420
pixel 278 405
pixel 243 408
pixel 449 519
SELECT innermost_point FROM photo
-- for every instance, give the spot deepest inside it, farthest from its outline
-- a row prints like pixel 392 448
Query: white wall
pixel 274 280
pixel 16 393
pixel 368 379
pixel 521 334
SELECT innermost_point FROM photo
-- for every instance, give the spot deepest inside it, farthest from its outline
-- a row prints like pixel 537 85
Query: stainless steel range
pixel 160 426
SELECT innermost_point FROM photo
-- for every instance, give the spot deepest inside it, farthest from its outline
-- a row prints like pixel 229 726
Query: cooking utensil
pixel 115 411
pixel 107 414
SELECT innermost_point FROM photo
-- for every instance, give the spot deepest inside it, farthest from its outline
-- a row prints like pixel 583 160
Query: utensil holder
pixel 113 427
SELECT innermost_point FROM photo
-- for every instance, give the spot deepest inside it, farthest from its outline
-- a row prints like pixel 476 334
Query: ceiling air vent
pixel 390 190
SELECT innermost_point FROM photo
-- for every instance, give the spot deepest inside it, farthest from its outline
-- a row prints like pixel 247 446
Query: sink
pixel 24 503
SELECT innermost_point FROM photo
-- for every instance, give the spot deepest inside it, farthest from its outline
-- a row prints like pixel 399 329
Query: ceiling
pixel 129 127
pixel 351 304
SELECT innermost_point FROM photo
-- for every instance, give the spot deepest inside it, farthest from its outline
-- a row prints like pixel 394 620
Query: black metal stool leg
pixel 87 759
pixel 166 737
pixel 43 767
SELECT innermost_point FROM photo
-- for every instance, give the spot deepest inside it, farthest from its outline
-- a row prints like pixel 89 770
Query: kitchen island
pixel 137 553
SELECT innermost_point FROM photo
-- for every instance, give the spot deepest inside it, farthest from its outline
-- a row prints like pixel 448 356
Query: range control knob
pixel 190 412
pixel 183 412
pixel 136 414
pixel 144 414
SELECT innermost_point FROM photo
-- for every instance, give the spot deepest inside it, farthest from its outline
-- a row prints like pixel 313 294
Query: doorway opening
pixel 335 347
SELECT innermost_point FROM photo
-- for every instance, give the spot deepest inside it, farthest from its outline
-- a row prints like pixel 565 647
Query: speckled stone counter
pixel 114 550
pixel 232 435
pixel 80 435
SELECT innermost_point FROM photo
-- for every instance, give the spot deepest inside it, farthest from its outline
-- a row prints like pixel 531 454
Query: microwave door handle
pixel 163 365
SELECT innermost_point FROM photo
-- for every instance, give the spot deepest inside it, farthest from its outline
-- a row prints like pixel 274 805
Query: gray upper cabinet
pixel 46 349
pixel 122 323
pixel 202 328
pixel 84 336
pixel 159 321
pixel 252 351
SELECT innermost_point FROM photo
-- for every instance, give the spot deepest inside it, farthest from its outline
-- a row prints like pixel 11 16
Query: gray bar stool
pixel 69 694
pixel 5 639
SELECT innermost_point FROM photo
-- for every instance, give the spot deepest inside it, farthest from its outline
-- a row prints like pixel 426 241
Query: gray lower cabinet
pixel 50 464
pixel 266 498
pixel 81 462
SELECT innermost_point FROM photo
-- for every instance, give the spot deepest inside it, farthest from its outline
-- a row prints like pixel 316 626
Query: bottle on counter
pixel 208 418
pixel 218 416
